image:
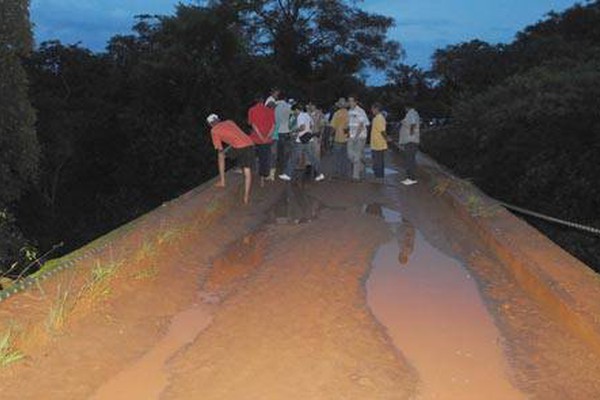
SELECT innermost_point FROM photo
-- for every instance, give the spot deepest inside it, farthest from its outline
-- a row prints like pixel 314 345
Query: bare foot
pixel 220 184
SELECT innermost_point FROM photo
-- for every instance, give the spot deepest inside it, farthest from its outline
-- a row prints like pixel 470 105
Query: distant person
pixel 339 123
pixel 410 137
pixel 273 97
pixel 378 141
pixel 302 145
pixel 357 124
pixel 242 150
pixel 262 120
pixel 283 112
pixel 328 132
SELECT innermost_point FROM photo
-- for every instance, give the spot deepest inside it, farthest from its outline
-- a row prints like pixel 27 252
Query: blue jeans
pixel 378 163
pixel 341 162
pixel 410 152
pixel 308 150
pixel 283 151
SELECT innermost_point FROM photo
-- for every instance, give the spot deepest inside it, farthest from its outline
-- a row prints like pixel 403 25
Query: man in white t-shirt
pixel 302 144
pixel 283 112
pixel 357 124
pixel 410 136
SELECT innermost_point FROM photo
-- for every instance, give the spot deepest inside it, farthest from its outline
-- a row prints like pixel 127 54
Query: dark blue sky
pixel 422 25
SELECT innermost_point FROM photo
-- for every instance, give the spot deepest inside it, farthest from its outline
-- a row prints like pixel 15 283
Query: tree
pixel 19 150
pixel 469 67
pixel 306 36
pixel 18 144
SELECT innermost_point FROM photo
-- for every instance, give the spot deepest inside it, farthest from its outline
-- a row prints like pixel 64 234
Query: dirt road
pixel 333 291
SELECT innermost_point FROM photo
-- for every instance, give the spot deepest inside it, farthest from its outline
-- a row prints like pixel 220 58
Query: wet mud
pixel 148 377
pixel 432 310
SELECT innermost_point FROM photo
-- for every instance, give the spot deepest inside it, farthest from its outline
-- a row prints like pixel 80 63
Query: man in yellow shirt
pixel 339 122
pixel 378 141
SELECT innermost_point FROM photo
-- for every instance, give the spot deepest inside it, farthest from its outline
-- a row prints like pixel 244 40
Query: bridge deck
pixel 336 290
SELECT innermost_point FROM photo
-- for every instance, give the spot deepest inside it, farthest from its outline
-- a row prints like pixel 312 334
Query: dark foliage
pixel 533 137
pixel 19 150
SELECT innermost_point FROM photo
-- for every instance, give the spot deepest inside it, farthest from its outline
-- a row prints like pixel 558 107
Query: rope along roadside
pixel 574 225
pixel 520 210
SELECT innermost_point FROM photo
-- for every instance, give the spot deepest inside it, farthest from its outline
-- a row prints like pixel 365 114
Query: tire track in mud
pixel 298 326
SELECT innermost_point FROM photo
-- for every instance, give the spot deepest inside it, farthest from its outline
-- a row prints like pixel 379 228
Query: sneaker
pixel 319 178
pixel 408 182
pixel 285 177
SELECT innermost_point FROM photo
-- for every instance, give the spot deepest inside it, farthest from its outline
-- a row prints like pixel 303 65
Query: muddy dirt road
pixel 332 291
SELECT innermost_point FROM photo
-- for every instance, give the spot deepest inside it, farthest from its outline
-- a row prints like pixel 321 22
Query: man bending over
pixel 242 150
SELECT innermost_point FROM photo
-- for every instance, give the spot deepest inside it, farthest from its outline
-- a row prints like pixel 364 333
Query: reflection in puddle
pixel 369 158
pixel 435 316
pixel 296 206
pixel 387 171
pixel 147 378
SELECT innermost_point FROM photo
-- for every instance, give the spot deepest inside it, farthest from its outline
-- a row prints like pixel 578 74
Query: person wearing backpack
pixel 302 144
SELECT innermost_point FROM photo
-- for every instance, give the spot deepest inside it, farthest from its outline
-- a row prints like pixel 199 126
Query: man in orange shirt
pixel 242 150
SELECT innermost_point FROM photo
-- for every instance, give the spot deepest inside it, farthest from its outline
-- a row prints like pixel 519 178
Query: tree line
pixel 90 140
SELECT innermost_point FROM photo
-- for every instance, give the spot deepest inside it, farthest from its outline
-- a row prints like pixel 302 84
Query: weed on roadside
pixel 440 186
pixel 98 285
pixel 145 252
pixel 478 208
pixel 58 311
pixel 146 273
pixel 8 354
pixel 168 236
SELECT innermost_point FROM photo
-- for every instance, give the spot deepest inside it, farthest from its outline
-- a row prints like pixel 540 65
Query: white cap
pixel 212 118
pixel 291 101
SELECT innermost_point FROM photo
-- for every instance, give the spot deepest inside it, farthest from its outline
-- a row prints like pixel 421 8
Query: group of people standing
pixel 286 135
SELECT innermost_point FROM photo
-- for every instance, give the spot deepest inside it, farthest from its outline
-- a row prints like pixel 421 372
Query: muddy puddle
pixel 368 156
pixel 238 261
pixel 148 377
pixel 435 316
pixel 296 206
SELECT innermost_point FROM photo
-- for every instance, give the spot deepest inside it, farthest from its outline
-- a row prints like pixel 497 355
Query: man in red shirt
pixel 242 150
pixel 262 119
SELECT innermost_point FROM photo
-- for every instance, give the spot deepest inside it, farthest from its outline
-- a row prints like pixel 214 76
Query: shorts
pixel 244 156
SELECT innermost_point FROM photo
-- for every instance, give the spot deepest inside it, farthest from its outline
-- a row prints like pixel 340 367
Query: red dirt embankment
pixel 69 326
pixel 567 288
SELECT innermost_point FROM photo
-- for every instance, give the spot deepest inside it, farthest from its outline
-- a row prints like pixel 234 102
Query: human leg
pixel 378 166
pixel 292 162
pixel 264 159
pixel 411 160
pixel 247 184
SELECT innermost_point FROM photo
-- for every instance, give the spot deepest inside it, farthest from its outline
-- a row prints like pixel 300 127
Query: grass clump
pixel 58 312
pixel 146 273
pixel 98 285
pixel 8 354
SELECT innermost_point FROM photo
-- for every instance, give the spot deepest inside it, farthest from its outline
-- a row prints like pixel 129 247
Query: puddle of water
pixel 147 378
pixel 435 316
pixel 296 206
pixel 238 261
pixel 387 171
